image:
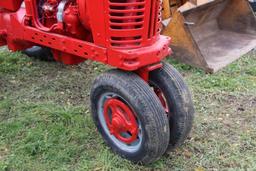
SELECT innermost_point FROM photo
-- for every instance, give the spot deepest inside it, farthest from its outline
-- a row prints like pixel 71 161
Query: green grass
pixel 45 121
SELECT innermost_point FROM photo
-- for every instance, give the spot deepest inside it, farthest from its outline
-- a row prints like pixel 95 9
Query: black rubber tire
pixel 143 101
pixel 42 53
pixel 179 101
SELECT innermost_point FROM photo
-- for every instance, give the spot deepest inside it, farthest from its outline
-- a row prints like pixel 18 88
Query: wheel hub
pixel 121 121
pixel 117 123
pixel 162 98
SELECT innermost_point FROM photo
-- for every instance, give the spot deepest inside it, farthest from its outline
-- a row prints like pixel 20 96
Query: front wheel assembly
pixel 129 116
pixel 141 120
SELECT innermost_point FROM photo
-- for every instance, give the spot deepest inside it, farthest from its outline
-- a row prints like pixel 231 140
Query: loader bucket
pixel 213 34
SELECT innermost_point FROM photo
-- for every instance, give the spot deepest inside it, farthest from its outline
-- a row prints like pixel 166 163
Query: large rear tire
pixel 175 97
pixel 42 53
pixel 129 116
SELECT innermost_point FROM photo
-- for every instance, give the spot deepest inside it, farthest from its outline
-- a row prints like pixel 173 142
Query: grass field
pixel 45 121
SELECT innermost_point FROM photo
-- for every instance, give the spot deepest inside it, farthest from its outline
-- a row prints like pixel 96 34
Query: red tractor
pixel 143 108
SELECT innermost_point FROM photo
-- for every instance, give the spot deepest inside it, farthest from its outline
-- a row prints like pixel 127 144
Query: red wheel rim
pixel 121 120
pixel 162 98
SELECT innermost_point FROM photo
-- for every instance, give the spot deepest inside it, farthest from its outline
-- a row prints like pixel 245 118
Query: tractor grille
pixel 155 18
pixel 133 23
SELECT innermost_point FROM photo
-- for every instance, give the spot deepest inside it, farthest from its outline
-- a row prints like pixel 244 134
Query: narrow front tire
pixel 175 97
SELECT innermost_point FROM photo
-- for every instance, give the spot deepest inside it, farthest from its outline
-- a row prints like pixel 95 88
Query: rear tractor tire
pixel 129 116
pixel 41 53
pixel 176 99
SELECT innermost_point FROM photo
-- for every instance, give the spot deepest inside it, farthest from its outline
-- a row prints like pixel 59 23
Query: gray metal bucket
pixel 214 34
